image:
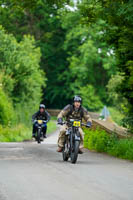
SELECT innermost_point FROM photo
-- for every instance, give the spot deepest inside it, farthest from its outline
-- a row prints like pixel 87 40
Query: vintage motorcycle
pixel 72 140
pixel 39 134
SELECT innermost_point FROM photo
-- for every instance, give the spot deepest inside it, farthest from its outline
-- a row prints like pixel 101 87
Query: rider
pixel 42 114
pixel 75 111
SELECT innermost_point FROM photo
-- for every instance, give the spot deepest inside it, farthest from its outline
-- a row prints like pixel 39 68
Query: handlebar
pixel 45 121
pixel 82 124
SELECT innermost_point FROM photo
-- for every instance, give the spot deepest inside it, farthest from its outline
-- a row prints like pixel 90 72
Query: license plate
pixel 39 121
pixel 76 123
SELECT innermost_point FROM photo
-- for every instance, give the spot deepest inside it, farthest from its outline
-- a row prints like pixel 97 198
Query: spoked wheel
pixel 74 152
pixel 65 153
pixel 38 136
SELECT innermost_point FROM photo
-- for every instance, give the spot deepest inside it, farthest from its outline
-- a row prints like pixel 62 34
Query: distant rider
pixel 42 114
pixel 75 111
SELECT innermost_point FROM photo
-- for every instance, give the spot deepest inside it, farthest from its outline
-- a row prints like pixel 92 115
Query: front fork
pixel 74 136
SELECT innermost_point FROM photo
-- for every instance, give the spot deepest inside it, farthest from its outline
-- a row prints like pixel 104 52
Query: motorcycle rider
pixel 75 111
pixel 42 114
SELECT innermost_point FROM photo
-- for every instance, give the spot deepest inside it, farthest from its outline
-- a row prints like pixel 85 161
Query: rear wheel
pixel 74 152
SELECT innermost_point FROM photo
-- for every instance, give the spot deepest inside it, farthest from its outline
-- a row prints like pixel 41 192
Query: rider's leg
pixel 44 129
pixel 34 130
pixel 61 137
pixel 81 138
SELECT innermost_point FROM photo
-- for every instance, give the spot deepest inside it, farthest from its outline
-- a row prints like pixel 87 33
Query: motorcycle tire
pixel 74 152
pixel 65 154
pixel 38 136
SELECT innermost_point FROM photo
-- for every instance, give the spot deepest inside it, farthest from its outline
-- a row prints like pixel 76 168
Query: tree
pixel 91 60
pixel 40 18
pixel 22 78
pixel 118 32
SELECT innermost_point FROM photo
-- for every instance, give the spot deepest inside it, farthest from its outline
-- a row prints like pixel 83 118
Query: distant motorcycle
pixel 39 134
pixel 72 141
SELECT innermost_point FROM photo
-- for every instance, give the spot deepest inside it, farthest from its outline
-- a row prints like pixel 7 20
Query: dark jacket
pixel 41 116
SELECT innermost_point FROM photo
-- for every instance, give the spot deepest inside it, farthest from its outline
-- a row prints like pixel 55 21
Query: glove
pixel 88 125
pixel 34 121
pixel 60 121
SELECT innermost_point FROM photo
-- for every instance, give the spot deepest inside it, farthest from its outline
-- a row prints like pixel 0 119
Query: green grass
pixel 116 115
pixel 101 141
pixel 54 118
pixel 15 134
pixel 21 132
pixel 51 126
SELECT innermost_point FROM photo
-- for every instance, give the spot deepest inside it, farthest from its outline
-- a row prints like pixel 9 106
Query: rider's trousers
pixel 61 137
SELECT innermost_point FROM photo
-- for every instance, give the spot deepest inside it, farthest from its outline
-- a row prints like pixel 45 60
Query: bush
pixel 116 115
pixel 100 141
pixel 7 115
pixel 123 148
pixel 15 134
pixel 97 140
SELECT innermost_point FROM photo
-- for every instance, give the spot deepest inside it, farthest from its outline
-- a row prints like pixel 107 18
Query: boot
pixel 81 151
pixel 59 149
pixel 33 135
pixel 44 135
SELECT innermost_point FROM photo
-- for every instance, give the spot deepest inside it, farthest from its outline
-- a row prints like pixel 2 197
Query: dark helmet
pixel 77 99
pixel 42 106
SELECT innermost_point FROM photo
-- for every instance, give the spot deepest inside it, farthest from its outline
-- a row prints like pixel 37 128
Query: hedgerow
pixel 101 141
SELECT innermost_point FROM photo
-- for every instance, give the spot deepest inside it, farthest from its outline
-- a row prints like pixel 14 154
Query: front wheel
pixel 65 153
pixel 38 136
pixel 75 151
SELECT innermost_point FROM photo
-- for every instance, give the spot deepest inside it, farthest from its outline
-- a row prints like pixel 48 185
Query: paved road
pixel 29 171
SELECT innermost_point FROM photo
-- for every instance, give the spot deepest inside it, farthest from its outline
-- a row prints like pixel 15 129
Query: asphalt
pixel 31 171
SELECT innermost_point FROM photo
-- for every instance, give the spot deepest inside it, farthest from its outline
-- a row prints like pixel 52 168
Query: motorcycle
pixel 72 140
pixel 39 134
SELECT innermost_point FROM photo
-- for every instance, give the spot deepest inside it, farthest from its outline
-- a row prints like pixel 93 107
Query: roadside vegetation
pixel 50 51
pixel 21 132
pixel 100 141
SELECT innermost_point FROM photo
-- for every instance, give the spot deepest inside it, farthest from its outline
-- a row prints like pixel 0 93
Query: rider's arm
pixel 64 112
pixel 34 116
pixel 87 117
pixel 47 116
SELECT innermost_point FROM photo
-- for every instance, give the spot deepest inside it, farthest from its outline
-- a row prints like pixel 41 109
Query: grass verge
pixel 100 141
pixel 21 132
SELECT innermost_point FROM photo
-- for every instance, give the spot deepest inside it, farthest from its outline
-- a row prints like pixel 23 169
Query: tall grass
pixel 21 132
pixel 101 141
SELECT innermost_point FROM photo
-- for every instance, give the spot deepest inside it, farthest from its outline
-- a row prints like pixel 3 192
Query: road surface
pixel 31 171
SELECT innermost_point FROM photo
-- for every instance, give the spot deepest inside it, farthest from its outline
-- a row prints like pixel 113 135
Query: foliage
pixel 100 141
pixel 97 140
pixel 20 132
pixel 20 67
pixel 90 100
pixel 88 57
pixel 40 19
pixel 71 52
pixel 21 82
pixel 17 133
pixel 118 32
pixel 116 115
pixel 7 114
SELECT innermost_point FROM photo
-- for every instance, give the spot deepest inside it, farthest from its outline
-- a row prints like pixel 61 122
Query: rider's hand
pixel 88 125
pixel 60 121
pixel 34 121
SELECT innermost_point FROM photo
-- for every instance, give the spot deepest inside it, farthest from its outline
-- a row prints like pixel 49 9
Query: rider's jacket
pixel 69 112
pixel 41 116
